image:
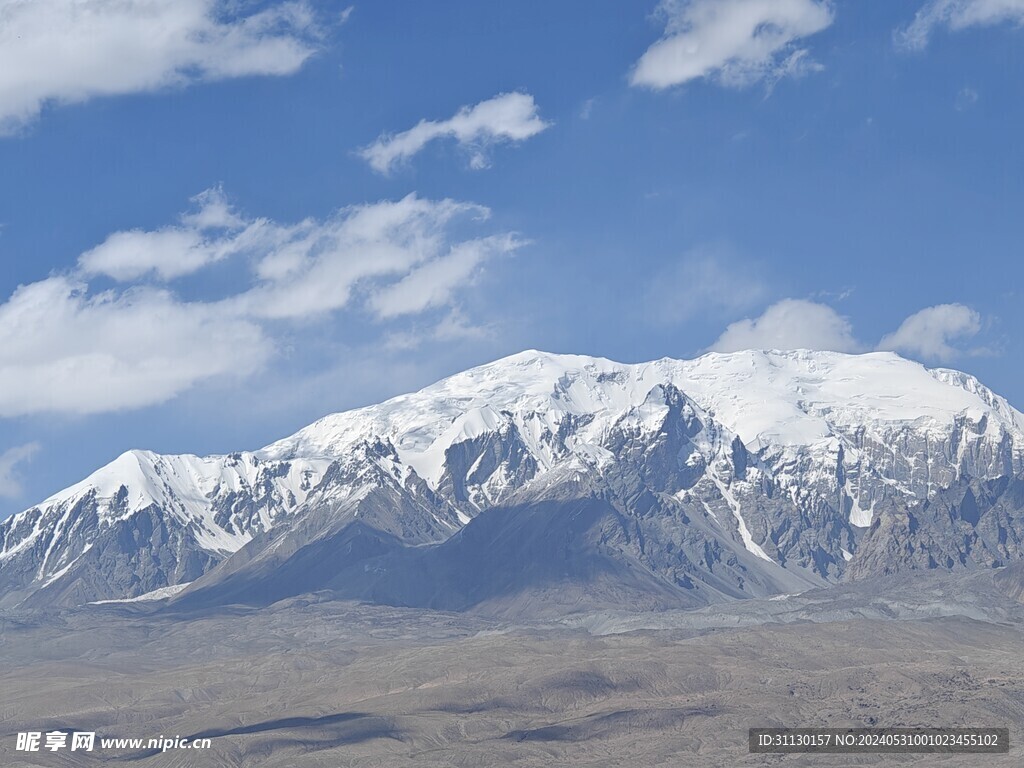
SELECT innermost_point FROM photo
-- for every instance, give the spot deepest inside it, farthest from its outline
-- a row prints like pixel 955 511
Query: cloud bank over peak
pixel 70 51
pixel 508 117
pixel 791 324
pixel 732 42
pixel 929 334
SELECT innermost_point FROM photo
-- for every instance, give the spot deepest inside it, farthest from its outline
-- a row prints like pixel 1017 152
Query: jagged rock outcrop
pixel 974 524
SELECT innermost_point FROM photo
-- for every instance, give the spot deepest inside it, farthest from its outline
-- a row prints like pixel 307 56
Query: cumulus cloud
pixel 930 332
pixel 957 15
pixel 68 51
pixel 506 117
pixel 706 281
pixel 10 483
pixel 733 42
pixel 791 324
pixel 67 347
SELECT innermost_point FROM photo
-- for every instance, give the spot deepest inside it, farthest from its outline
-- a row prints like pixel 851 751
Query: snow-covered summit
pixel 768 398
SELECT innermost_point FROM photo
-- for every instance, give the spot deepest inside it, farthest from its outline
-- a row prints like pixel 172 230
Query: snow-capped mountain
pixel 145 521
pixel 742 473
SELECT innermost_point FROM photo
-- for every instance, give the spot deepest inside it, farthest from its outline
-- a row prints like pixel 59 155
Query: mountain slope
pixel 785 457
pixel 601 531
pixel 974 524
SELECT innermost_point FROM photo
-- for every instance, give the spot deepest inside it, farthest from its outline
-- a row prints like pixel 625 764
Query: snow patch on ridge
pixel 156 594
pixel 748 540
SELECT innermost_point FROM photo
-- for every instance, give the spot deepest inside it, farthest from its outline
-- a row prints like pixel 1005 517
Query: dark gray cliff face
pixel 844 493
pixel 86 558
pixel 974 524
pixel 129 558
pixel 683 491
pixel 917 463
pixel 25 567
pixel 666 490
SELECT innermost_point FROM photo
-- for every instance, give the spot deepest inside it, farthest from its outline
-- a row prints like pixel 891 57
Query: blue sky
pixel 221 221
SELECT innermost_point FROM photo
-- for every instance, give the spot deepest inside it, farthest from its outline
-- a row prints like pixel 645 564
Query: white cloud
pixel 68 51
pixel 210 234
pixel 169 253
pixel 69 348
pixel 734 42
pixel 506 117
pixel 801 324
pixel 791 324
pixel 929 333
pixel 706 281
pixel 214 212
pixel 64 350
pixel 957 15
pixel 315 267
pixel 433 283
pixel 454 326
pixel 10 483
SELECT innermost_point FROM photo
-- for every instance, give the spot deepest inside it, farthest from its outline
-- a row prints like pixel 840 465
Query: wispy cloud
pixel 361 255
pixel 453 327
pixel 965 99
pixel 733 42
pixel 68 51
pixel 957 15
pixel 433 283
pixel 707 281
pixel 10 483
pixel 506 117
pixel 68 347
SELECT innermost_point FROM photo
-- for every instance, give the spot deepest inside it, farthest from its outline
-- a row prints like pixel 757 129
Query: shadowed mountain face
pixel 1011 581
pixel 544 482
pixel 544 556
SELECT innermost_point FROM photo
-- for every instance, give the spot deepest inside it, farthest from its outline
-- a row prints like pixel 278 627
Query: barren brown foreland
pixel 326 683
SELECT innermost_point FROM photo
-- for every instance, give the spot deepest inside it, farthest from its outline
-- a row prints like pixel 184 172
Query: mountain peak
pixel 756 445
pixel 767 397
